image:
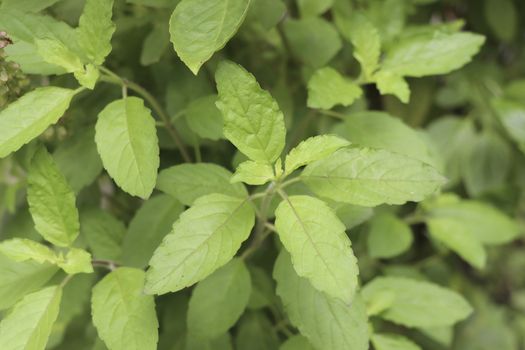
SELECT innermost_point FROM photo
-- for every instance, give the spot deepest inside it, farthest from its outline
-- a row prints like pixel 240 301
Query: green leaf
pixel 385 341
pixel 204 118
pixel 297 342
pixel 253 121
pixel 79 149
pixel 29 323
pixel 51 201
pixel 390 83
pixel 103 233
pixel 20 278
pixel 77 261
pixel 148 227
pixel 26 5
pixel 388 236
pixel 320 249
pixel 312 149
pixel 218 301
pixel 312 8
pixel 512 116
pixel 127 142
pixel 95 30
pixel 328 323
pixel 21 249
pixel 365 39
pixel 255 332
pixel 55 52
pixel 187 182
pixel 205 237
pixel 327 88
pixel 381 130
pixel 369 177
pixel 88 76
pixel 438 53
pixel 124 316
pixel 313 40
pixel 40 108
pixel 263 289
pixel 417 303
pixel 155 44
pixel 502 17
pixel 253 173
pixel 198 28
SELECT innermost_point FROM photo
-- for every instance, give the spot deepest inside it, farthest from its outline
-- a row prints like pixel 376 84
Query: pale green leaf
pixel 389 83
pixel 30 115
pixel 51 201
pixel 88 76
pixel 328 323
pixel 438 53
pixel 388 236
pixel 417 303
pixel 253 121
pixel 79 149
pixel 327 88
pixel 124 316
pixel 187 182
pixel 198 28
pixel 369 177
pixel 380 130
pixel 76 261
pixel 218 301
pixel 205 237
pixel 204 118
pixel 312 8
pixel 26 5
pixel 21 249
pixel 365 39
pixel 297 342
pixel 103 233
pixel 253 173
pixel 29 323
pixel 313 40
pixel 95 30
pixel 155 44
pixel 312 149
pixel 127 142
pixel 55 52
pixel 386 341
pixel 148 227
pixel 20 278
pixel 320 249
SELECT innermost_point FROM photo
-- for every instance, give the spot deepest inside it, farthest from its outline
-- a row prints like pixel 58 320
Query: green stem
pixel 331 114
pixel 108 264
pixel 163 115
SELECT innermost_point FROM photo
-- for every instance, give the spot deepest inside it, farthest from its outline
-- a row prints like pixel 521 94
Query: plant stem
pixel 163 115
pixel 108 264
pixel 331 114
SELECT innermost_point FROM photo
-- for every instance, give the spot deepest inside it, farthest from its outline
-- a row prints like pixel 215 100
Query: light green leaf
pixel 381 130
pixel 253 121
pixel 88 76
pixel 389 83
pixel 55 52
pixel 205 237
pixel 76 261
pixel 388 237
pixel 95 30
pixel 320 249
pixel 103 233
pixel 79 149
pixel 187 182
pixel 253 173
pixel 439 53
pixel 364 36
pixel 155 44
pixel 20 278
pixel 127 142
pixel 21 249
pixel 204 118
pixel 148 227
pixel 26 5
pixel 198 28
pixel 312 8
pixel 124 316
pixel 328 323
pixel 385 341
pixel 297 342
pixel 29 323
pixel 313 40
pixel 417 303
pixel 30 115
pixel 218 301
pixel 312 149
pixel 51 201
pixel 327 88
pixel 369 177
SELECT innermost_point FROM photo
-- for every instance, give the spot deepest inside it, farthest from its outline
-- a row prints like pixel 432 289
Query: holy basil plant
pixel 261 174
